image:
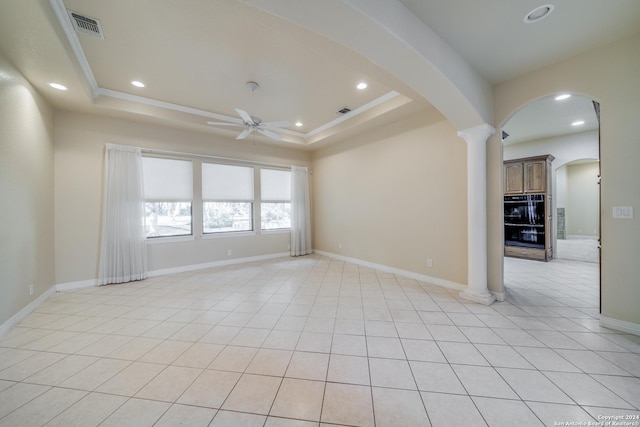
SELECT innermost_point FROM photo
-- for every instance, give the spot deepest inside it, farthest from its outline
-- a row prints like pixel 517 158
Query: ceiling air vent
pixel 86 25
pixel 345 110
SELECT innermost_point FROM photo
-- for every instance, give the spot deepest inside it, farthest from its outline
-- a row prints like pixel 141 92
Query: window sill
pixel 228 234
pixel 169 239
pixel 276 231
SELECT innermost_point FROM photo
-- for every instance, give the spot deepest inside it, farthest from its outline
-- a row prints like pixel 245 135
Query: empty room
pixel 319 213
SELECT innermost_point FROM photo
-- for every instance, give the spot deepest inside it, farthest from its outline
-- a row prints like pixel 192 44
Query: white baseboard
pixel 182 269
pixel 405 273
pixel 620 325
pixel 22 314
pixel 194 267
pixel 76 285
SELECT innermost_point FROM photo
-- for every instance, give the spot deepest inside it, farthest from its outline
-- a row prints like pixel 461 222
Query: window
pixel 275 209
pixel 168 192
pixel 227 198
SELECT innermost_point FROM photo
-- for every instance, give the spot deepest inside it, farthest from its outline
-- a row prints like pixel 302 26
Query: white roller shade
pixel 225 182
pixel 275 185
pixel 167 179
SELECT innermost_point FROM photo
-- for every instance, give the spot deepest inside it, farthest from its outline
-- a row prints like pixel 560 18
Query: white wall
pixel 79 157
pixel 396 196
pixel 561 187
pixel 26 191
pixel 565 148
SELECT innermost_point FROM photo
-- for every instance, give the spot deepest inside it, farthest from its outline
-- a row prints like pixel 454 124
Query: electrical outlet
pixel 229 253
pixel 30 290
pixel 340 245
pixel 429 262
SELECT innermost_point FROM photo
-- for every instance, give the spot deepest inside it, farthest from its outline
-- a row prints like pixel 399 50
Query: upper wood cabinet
pixel 528 175
pixel 535 177
pixel 513 177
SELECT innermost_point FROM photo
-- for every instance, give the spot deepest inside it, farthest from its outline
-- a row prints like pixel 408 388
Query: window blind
pixel 167 179
pixel 226 182
pixel 275 185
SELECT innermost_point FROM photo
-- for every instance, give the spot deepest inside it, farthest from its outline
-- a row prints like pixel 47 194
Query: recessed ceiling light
pixel 362 85
pixel 58 86
pixel 298 124
pixel 563 97
pixel 538 14
pixel 136 83
pixel 577 123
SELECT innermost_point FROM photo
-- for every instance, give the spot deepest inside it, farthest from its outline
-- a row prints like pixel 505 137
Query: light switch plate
pixel 622 212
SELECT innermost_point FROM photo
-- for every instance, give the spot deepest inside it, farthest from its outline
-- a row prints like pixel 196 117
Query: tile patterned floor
pixel 317 342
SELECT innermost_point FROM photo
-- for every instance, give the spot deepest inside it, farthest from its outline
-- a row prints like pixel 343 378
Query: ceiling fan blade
pixel 244 134
pixel 270 134
pixel 271 125
pixel 225 124
pixel 245 116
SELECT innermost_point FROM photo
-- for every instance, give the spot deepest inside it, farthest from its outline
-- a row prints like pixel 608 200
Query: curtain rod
pixel 208 156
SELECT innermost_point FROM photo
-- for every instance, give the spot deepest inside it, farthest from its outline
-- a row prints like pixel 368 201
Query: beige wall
pixel 582 213
pixel 79 155
pixel 610 76
pixel 26 191
pixel 396 196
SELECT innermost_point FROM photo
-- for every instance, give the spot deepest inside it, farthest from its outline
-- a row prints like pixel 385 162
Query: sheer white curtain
pixel 300 215
pixel 123 253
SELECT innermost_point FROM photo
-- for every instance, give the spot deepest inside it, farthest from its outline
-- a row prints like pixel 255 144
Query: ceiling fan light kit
pixel 254 124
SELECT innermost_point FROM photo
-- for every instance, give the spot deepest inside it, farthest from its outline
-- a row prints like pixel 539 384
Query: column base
pixel 486 297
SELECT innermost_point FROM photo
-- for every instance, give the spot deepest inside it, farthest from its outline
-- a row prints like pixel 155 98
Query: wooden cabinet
pixel 528 253
pixel 530 175
pixel 527 208
pixel 513 178
pixel 535 176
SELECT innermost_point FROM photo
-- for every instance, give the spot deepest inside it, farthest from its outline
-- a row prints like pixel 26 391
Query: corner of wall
pixel 26 186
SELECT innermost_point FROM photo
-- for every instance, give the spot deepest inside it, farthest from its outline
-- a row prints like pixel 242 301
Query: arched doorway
pixel 577 205
pixel 567 128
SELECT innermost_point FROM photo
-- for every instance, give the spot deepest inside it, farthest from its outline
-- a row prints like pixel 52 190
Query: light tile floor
pixel 316 342
pixel 585 249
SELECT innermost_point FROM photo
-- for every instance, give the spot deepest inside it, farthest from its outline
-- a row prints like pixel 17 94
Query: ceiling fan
pixel 252 123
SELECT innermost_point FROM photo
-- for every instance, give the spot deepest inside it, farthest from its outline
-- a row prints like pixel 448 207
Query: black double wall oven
pixel 524 220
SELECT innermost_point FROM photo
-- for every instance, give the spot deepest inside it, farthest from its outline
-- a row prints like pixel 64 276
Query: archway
pixel 567 128
pixel 577 205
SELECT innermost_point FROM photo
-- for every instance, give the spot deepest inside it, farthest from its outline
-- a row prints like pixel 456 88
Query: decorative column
pixel 476 138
